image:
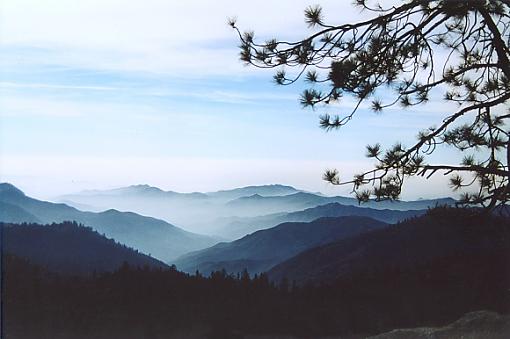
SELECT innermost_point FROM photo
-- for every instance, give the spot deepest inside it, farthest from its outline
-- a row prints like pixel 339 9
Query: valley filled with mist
pixel 252 260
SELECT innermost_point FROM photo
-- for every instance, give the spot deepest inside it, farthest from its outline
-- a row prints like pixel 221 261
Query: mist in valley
pixel 228 214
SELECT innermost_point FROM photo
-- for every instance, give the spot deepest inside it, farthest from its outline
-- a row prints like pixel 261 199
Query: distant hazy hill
pixel 149 235
pixel 263 190
pixel 302 200
pixel 193 211
pixel 155 192
pixel 253 204
pixel 70 248
pixel 439 234
pixel 237 227
pixel 204 212
pixel 261 250
pixel 139 190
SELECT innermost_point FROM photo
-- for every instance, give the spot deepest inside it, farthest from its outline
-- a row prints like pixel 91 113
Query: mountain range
pixel 149 235
pixel 237 227
pixel 301 200
pixel 207 213
pixel 337 270
pixel 263 249
pixel 440 234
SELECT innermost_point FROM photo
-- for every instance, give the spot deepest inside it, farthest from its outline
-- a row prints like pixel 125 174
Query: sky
pixel 107 93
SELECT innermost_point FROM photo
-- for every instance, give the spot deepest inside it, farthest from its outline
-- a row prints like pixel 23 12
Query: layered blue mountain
pixel 206 212
pixel 262 190
pixel 149 235
pixel 70 248
pixel 262 250
pixel 15 214
pixel 443 236
pixel 138 191
pixel 237 227
pixel 193 211
pixel 303 200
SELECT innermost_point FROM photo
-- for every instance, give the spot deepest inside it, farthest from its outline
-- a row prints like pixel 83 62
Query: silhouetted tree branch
pixel 398 51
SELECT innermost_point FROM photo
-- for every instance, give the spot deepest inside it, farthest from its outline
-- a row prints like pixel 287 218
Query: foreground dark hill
pixel 149 235
pixel 438 235
pixel 69 248
pixel 133 303
pixel 236 227
pixel 261 250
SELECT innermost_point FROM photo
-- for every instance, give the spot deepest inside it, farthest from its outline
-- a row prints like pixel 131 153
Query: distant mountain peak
pixel 141 186
pixel 257 188
pixel 144 187
pixel 271 186
pixel 131 190
pixel 111 211
pixel 266 185
pixel 8 188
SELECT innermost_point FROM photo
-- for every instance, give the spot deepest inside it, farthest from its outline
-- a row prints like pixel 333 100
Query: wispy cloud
pixel 54 86
pixel 178 37
pixel 205 93
pixel 90 87
pixel 222 96
pixel 23 107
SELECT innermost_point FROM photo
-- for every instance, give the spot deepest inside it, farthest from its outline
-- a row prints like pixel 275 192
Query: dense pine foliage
pixel 134 302
pixel 70 248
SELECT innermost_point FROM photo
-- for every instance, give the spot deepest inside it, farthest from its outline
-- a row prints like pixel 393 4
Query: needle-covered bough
pixel 411 52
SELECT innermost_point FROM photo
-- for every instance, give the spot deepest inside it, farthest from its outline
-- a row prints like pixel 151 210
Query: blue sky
pixel 101 94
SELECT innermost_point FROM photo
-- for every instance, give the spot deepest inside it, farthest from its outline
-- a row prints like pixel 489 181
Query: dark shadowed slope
pixel 138 303
pixel 69 248
pixel 149 235
pixel 261 250
pixel 237 227
pixel 439 234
